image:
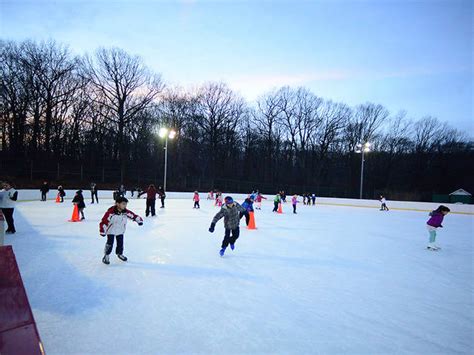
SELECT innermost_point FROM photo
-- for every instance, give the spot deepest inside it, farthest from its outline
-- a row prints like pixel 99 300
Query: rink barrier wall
pixel 18 331
pixel 34 195
pixel 2 229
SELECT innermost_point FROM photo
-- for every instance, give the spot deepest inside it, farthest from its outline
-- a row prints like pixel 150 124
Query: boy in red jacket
pixel 113 225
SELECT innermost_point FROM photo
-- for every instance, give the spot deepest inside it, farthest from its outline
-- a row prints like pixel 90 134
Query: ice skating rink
pixel 328 280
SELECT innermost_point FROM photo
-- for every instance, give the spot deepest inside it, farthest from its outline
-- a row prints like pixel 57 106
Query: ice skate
pixel 106 260
pixel 433 247
pixel 222 251
pixel 122 257
pixel 232 246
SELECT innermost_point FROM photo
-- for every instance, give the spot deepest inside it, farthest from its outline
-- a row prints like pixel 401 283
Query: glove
pixel 140 223
pixel 211 228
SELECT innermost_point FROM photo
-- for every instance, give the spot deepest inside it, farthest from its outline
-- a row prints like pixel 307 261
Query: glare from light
pixel 163 132
pixel 172 134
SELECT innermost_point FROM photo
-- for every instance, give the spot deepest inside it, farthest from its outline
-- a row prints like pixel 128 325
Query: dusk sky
pixel 407 55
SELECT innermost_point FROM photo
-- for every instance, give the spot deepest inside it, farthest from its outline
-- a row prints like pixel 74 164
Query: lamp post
pixel 362 149
pixel 166 134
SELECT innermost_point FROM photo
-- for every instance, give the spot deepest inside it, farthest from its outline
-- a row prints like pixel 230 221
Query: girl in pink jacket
pixel 294 201
pixel 196 200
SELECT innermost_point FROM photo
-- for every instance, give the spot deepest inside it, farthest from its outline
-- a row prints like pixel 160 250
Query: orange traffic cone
pixel 280 208
pixel 58 199
pixel 251 224
pixel 75 215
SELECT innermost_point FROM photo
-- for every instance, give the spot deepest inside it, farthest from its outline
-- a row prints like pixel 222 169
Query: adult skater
pixel 383 202
pixel 435 222
pixel 122 190
pixel 294 201
pixel 94 192
pixel 79 201
pixel 196 199
pixel 232 213
pixel 44 190
pixel 8 198
pixel 258 201
pixel 283 196
pixel 313 198
pixel 61 193
pixel 161 192
pixel 276 202
pixel 113 225
pixel 150 200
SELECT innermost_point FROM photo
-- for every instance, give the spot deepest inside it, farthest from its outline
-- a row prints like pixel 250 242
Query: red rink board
pixel 18 332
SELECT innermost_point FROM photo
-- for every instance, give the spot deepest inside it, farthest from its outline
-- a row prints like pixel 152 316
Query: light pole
pixel 166 134
pixel 362 149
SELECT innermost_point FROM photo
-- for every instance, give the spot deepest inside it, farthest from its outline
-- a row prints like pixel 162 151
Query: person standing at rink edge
pixel 44 190
pixel 8 198
pixel 94 192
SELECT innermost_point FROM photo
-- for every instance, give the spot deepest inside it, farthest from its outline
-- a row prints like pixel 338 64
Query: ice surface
pixel 327 280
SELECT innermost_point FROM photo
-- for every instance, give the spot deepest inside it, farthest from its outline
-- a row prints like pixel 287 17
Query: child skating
pixel 232 213
pixel 113 225
pixel 258 201
pixel 294 202
pixel 276 202
pixel 383 201
pixel 196 200
pixel 79 201
pixel 435 222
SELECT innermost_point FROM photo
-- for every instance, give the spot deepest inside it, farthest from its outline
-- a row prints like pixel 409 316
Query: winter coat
pixel 161 192
pixel 61 192
pixel 79 200
pixel 248 205
pixel 44 188
pixel 294 200
pixel 115 221
pixel 8 198
pixel 151 193
pixel 196 197
pixel 277 198
pixel 436 219
pixel 231 214
pixel 93 188
pixel 259 198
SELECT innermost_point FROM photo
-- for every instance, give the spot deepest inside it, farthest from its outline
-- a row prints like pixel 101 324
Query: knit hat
pixel 228 200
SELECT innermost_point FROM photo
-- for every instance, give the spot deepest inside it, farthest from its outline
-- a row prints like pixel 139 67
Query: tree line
pixel 106 107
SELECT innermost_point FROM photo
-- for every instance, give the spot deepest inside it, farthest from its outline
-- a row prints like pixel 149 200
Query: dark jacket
pixel 232 215
pixel 79 199
pixel 44 188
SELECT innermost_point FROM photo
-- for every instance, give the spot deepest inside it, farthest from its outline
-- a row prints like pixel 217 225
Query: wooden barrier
pixel 18 332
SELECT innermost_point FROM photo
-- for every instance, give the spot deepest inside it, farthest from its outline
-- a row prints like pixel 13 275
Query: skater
pixel 122 190
pixel 313 198
pixel 283 196
pixel 196 200
pixel 276 202
pixel 294 201
pixel 79 201
pixel 94 192
pixel 150 200
pixel 218 199
pixel 132 191
pixel 232 213
pixel 304 199
pixel 248 204
pixel 210 195
pixel 383 201
pixel 44 190
pixel 8 198
pixel 61 193
pixel 258 201
pixel 162 194
pixel 436 218
pixel 113 225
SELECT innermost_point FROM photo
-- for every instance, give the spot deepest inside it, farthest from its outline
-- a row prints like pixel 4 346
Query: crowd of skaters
pixel 114 221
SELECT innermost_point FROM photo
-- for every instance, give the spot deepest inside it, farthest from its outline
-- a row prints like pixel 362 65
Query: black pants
pixel 150 206
pixel 62 198
pixel 275 206
pixel 314 201
pixel 162 201
pixel 8 213
pixel 81 211
pixel 94 194
pixel 228 239
pixel 294 208
pixel 196 204
pixel 110 244
pixel 43 196
pixel 384 207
